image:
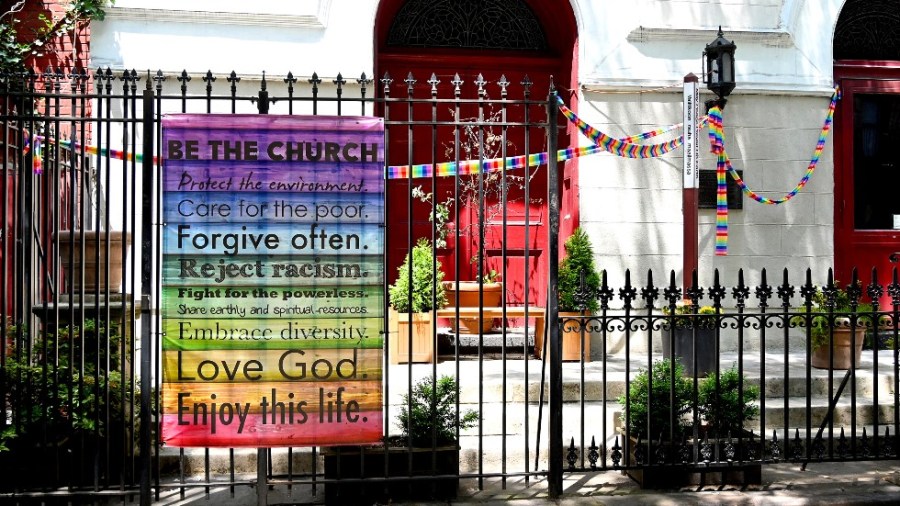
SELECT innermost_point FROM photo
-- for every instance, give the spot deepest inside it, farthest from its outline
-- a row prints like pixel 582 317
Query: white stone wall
pixel 631 207
pixel 325 36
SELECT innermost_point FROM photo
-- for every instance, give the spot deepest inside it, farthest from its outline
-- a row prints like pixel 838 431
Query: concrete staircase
pixel 513 429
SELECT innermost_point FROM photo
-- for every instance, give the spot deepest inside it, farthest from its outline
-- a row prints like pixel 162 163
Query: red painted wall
pixel 62 54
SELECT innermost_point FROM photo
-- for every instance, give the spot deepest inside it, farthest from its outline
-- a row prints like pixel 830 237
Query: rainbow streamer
pixel 717 146
pixel 37 160
pixel 813 162
pixel 625 147
pixel 622 147
pixel 723 163
pixel 116 154
pixel 468 167
pixel 112 153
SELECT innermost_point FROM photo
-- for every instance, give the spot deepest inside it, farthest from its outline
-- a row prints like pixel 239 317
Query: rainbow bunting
pixel 627 147
pixel 37 161
pixel 622 147
pixel 723 164
pixel 817 153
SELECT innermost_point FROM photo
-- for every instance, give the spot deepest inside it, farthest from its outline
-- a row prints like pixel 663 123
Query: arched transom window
pixel 471 24
pixel 868 30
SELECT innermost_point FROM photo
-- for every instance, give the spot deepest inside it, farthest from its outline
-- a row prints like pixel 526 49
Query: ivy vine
pixel 17 45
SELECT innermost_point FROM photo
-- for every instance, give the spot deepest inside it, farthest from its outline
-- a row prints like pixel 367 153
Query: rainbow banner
pixel 272 299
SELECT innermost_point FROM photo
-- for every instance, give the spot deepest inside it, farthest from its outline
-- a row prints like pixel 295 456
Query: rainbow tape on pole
pixel 717 141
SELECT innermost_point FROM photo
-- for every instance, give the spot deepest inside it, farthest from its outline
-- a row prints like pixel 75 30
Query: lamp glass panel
pixel 727 68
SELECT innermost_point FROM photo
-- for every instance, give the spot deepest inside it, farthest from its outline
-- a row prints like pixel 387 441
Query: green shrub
pixel 685 317
pixel 426 282
pixel 433 417
pixel 725 413
pixel 658 402
pixel 579 258
pixel 55 389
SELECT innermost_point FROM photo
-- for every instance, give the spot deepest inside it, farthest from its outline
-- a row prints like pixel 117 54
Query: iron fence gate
pixel 80 354
pixel 82 366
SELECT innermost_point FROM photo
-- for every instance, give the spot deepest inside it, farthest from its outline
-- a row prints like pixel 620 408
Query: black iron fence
pixel 765 373
pixel 727 379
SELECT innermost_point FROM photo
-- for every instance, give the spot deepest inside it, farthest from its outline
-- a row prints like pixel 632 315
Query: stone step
pixel 523 377
pixel 730 340
pixel 481 386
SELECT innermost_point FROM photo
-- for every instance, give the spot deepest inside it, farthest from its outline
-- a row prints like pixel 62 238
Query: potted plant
pixel 655 406
pixel 578 288
pixel 428 445
pixel 831 331
pixel 652 399
pixel 722 409
pixel 476 199
pixel 725 405
pixel 690 322
pixel 485 291
pixel 412 305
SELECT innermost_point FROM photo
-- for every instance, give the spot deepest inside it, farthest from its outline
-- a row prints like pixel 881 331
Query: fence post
pixel 555 436
pixel 147 342
pixel 262 465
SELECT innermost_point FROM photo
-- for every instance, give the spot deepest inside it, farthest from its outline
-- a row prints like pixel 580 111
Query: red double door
pixel 867 171
pixel 513 229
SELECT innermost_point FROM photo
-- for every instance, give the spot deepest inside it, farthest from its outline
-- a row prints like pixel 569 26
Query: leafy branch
pixel 16 48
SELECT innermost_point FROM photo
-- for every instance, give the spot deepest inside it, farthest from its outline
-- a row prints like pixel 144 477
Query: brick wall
pixel 66 52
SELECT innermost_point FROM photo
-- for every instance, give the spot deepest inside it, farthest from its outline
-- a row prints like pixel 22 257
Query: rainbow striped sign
pixel 272 299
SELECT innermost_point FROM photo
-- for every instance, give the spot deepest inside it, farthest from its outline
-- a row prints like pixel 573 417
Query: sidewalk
pixel 832 483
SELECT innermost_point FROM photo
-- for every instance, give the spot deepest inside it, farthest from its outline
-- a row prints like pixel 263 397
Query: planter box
pixel 706 349
pixel 422 342
pixel 571 339
pixel 673 476
pixel 33 464
pixel 676 476
pixel 95 244
pixel 353 462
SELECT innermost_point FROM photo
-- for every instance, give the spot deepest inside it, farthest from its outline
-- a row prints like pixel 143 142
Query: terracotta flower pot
pixel 821 356
pixel 95 274
pixel 467 296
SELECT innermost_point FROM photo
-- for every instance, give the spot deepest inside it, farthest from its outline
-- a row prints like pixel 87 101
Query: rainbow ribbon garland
pixel 723 163
pixel 37 164
pixel 627 147
pixel 622 147
pixel 717 141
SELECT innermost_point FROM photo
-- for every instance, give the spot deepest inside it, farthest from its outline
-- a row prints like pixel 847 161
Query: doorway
pixel 466 58
pixel 867 131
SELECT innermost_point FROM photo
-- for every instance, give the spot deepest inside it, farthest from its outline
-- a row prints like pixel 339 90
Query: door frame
pixel 855 76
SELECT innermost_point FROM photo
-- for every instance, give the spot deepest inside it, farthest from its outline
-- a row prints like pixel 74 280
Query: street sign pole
pixel 691 180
